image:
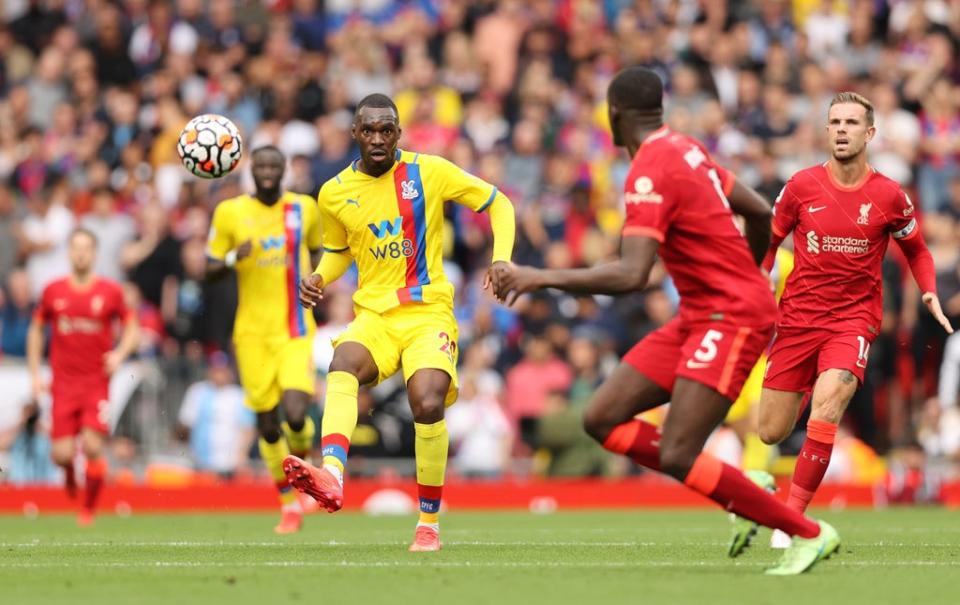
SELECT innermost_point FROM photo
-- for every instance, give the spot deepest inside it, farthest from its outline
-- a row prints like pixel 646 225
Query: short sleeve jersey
pixel 393 226
pixel 676 194
pixel 840 236
pixel 268 280
pixel 81 320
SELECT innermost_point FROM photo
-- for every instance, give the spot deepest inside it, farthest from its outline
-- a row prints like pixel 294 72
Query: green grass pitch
pixel 908 556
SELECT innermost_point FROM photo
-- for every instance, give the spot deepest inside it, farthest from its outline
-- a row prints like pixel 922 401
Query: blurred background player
pixel 385 212
pixel 680 205
pixel 81 310
pixel 842 214
pixel 268 239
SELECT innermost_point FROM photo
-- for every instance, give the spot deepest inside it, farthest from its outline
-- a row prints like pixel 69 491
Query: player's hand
pixel 933 303
pixel 769 278
pixel 39 387
pixel 494 277
pixel 244 249
pixel 112 361
pixel 519 280
pixel 311 291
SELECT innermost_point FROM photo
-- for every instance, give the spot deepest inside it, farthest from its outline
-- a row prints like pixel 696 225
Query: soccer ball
pixel 210 146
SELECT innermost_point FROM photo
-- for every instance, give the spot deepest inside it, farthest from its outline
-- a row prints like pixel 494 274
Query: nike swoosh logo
pixel 696 365
pixel 813 209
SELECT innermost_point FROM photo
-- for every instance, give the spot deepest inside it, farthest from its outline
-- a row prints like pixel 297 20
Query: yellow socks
pixel 273 455
pixel 432 442
pixel 339 420
pixel 301 441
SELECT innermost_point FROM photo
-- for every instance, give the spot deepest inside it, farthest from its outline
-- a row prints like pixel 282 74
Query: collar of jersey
pixel 353 166
pixel 656 134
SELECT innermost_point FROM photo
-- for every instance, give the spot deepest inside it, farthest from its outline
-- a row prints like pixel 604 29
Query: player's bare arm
pixel 628 273
pixel 217 268
pixel 35 357
pixel 129 340
pixel 757 213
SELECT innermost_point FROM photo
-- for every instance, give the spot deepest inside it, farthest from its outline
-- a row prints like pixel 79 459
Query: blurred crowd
pixel 93 94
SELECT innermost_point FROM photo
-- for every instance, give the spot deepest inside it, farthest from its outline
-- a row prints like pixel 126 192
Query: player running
pixel 385 212
pixel 81 310
pixel 680 205
pixel 842 214
pixel 268 239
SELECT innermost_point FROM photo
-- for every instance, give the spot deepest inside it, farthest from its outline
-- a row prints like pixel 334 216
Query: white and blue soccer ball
pixel 210 146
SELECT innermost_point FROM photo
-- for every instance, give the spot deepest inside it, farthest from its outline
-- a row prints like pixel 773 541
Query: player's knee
pixel 61 457
pixel 596 425
pixel 772 435
pixel 428 407
pixel 268 426
pixel 677 461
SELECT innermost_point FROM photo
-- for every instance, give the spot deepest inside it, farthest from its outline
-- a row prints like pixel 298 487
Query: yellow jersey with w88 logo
pixel 392 226
pixel 268 280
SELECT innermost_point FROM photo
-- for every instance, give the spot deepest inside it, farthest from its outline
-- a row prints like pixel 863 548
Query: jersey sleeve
pixel 333 234
pixel 120 309
pixel 221 238
pixel 462 187
pixel 313 235
pixel 43 312
pixel 785 210
pixel 650 204
pixel 903 222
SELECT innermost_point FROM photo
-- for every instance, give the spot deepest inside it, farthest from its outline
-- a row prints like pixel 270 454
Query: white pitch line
pixel 195 544
pixel 454 564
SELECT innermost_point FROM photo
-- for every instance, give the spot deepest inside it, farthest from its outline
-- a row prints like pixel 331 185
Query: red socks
pixel 725 485
pixel 637 440
pixel 70 480
pixel 96 471
pixel 731 489
pixel 812 463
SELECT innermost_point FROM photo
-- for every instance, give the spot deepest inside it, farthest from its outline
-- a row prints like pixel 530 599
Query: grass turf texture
pixel 892 556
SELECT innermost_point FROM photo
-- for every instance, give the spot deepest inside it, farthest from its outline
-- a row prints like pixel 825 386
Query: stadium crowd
pixel 93 94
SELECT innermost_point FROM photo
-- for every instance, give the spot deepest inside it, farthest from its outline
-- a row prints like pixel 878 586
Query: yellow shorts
pixel 269 368
pixel 413 337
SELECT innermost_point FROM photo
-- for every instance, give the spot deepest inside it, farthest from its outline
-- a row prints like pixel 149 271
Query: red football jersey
pixel 676 194
pixel 840 235
pixel 81 325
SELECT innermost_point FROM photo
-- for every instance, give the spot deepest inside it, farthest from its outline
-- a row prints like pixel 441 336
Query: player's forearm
pixel 608 278
pixel 34 348
pixel 503 222
pixel 758 233
pixel 771 257
pixel 332 266
pixel 129 339
pixel 216 269
pixel 921 262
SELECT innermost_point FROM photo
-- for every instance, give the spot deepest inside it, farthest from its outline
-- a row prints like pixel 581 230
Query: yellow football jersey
pixel 392 226
pixel 268 280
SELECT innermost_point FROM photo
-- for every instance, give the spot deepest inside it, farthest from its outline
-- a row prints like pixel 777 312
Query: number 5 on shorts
pixel 707 351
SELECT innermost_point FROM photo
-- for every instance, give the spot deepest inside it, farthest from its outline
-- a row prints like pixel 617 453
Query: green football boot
pixel 804 553
pixel 744 529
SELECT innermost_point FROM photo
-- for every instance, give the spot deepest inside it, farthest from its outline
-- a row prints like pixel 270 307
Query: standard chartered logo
pixel 830 243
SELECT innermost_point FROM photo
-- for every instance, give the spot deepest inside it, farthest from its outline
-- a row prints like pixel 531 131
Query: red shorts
pixel 799 355
pixel 717 354
pixel 79 405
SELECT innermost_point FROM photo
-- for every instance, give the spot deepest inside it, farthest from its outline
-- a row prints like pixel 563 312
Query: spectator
pixel 480 433
pixel 219 427
pixel 9 225
pixel 531 380
pixel 43 240
pixel 113 230
pixel 16 311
